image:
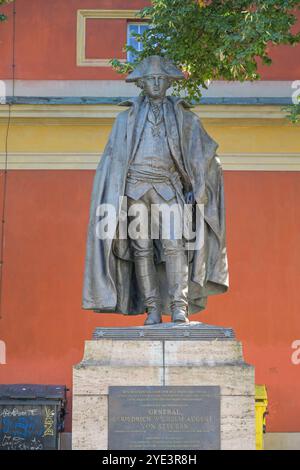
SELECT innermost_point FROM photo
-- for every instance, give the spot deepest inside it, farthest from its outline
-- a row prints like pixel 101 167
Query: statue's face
pixel 156 86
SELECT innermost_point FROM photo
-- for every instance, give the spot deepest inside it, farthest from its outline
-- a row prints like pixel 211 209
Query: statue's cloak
pixel 110 284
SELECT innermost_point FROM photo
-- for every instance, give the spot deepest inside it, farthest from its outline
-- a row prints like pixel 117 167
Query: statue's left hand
pixel 189 197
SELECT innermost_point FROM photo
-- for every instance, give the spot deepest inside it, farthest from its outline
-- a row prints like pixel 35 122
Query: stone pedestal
pixel 163 355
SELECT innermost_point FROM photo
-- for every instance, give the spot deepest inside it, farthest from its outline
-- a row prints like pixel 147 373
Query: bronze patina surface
pixel 158 153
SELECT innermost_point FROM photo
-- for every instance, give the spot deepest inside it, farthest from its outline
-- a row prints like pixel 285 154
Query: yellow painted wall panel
pixel 57 138
pixel 92 138
pixel 256 139
pixel 3 130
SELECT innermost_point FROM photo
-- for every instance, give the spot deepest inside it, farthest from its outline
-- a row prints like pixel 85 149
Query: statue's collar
pixel 140 99
pixel 132 101
pixel 160 103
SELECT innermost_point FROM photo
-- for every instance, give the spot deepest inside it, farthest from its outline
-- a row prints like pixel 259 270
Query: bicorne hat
pixel 155 65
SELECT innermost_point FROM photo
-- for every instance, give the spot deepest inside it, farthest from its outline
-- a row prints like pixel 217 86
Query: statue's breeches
pixel 174 254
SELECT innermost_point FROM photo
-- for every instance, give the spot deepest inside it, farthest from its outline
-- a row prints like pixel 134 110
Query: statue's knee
pixel 142 248
pixel 172 247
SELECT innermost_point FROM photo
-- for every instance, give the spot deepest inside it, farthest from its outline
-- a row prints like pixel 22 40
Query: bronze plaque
pixel 170 417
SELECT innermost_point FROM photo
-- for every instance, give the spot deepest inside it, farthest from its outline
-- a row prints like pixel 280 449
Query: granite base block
pixel 180 359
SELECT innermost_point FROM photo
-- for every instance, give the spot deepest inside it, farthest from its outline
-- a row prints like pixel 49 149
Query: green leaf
pixel 215 40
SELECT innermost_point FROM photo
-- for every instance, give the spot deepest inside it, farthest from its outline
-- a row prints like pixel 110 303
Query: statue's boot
pixel 177 275
pixel 148 285
pixel 179 316
pixel 153 317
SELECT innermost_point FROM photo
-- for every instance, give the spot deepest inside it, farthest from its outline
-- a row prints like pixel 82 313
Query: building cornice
pixel 105 114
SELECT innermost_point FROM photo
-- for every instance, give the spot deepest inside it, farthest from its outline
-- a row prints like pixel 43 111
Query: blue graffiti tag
pixel 23 426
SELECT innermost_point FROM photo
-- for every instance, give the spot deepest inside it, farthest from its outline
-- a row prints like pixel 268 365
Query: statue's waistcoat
pixel 153 154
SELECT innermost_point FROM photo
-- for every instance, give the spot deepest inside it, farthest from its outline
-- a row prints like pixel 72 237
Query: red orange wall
pixel 42 322
pixel 46 42
pixel 44 326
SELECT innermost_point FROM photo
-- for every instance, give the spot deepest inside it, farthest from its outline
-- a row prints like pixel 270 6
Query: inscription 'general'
pixel 194 421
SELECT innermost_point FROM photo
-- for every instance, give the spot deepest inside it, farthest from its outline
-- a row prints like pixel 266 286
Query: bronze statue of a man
pixel 158 154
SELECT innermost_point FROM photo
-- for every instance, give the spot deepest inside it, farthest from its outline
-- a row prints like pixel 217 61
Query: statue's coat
pixel 109 281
